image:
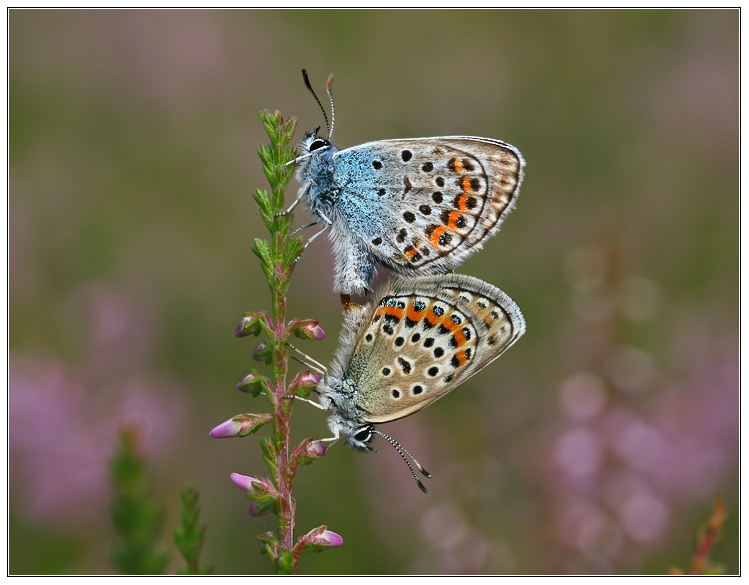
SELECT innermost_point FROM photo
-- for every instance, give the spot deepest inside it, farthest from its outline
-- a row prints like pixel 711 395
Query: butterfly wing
pixel 422 337
pixel 425 204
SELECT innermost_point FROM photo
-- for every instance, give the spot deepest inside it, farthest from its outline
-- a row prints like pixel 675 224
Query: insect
pixel 417 206
pixel 415 341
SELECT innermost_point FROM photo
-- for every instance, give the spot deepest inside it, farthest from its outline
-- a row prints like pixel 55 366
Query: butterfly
pixel 418 206
pixel 415 341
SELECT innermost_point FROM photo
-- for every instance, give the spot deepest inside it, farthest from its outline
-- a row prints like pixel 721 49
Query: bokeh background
pixel 595 445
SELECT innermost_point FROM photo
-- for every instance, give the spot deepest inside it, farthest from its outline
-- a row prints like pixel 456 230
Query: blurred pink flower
pixel 63 418
pixel 636 442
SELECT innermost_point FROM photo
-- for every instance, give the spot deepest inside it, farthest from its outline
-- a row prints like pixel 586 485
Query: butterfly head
pixel 337 393
pixel 356 436
pixel 314 161
pixel 315 149
pixel 311 142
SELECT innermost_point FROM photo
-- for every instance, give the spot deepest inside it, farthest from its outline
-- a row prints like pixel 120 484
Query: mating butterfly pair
pixel 419 207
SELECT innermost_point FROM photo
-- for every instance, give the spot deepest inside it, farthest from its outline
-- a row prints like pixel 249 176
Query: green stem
pixel 279 273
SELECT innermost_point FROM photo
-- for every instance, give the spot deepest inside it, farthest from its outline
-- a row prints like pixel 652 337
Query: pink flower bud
pixel 252 324
pixel 262 353
pixel 230 428
pixel 304 383
pixel 254 382
pixel 263 495
pixel 308 380
pixel 321 538
pixel 244 482
pixel 241 425
pixel 316 449
pixel 310 329
pixel 332 538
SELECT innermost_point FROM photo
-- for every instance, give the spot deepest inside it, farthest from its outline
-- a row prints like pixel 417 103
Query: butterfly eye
pixel 364 435
pixel 317 143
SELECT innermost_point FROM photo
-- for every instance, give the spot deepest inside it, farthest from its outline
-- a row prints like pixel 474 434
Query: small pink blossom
pixel 252 324
pixel 244 482
pixel 240 425
pixel 308 380
pixel 262 353
pixel 310 329
pixel 332 538
pixel 320 538
pixel 253 382
pixel 316 449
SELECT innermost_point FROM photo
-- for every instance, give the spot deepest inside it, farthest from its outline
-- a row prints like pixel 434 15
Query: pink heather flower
pixel 252 382
pixel 320 538
pixel 244 482
pixel 60 428
pixel 251 324
pixel 257 489
pixel 316 449
pixel 240 425
pixel 262 353
pixel 304 383
pixel 229 428
pixel 332 538
pixel 308 380
pixel 311 330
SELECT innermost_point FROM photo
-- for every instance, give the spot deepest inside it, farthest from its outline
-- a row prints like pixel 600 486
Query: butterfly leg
pixel 302 227
pixel 308 242
pixel 331 440
pixel 312 239
pixel 302 194
pixel 310 363
pixel 322 216
pixel 293 205
pixel 322 407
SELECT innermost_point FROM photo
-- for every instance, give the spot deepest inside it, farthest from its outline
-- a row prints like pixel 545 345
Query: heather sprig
pixel 190 536
pixel 278 256
pixel 707 537
pixel 136 518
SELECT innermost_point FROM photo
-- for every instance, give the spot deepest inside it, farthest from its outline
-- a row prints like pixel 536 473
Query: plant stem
pixel 279 272
pixel 278 256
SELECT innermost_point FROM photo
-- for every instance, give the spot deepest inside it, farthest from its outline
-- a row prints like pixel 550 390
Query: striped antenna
pixel 329 89
pixel 401 450
pixel 312 91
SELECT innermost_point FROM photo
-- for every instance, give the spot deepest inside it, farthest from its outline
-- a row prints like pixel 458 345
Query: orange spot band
pixel 452 220
pixel 413 314
pixel 395 311
pixel 436 235
pixel 449 324
pixel 456 329
pixel 460 339
pixel 432 318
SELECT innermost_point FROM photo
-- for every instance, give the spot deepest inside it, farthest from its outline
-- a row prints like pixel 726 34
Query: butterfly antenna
pixel 403 452
pixel 312 91
pixel 329 89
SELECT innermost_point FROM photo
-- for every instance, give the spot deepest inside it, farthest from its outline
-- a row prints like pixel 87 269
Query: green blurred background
pixel 595 445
